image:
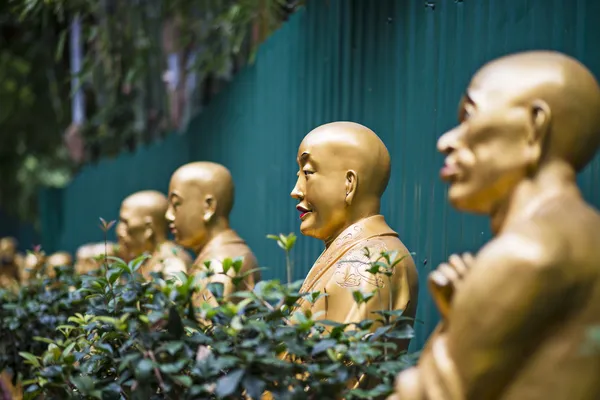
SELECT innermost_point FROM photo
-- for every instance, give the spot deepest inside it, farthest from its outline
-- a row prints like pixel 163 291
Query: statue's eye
pixel 306 173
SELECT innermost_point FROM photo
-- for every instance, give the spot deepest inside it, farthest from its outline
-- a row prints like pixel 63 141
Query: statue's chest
pixel 334 301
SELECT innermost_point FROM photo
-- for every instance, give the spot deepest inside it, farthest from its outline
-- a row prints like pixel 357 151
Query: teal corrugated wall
pixel 398 67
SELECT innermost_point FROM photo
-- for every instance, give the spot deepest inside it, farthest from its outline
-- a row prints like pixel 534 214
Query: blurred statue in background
pixel 83 259
pixel 56 260
pixel 142 228
pixel 516 317
pixel 29 268
pixel 10 262
pixel 200 201
pixel 89 257
pixel 344 168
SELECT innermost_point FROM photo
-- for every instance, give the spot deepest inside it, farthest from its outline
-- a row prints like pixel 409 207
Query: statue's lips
pixel 172 229
pixel 303 211
pixel 449 173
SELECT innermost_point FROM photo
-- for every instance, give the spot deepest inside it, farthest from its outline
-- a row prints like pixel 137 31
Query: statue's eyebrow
pixel 303 158
pixel 467 97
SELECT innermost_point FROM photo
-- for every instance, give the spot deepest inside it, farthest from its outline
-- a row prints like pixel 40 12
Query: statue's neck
pixel 360 228
pixel 551 181
pixel 155 242
pixel 214 230
pixel 340 232
pixel 365 209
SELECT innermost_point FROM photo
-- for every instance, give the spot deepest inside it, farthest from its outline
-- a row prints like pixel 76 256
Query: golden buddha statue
pixel 58 259
pixel 344 170
pixel 142 228
pixel 82 259
pixel 200 201
pixel 29 268
pixel 10 262
pixel 88 255
pixel 515 316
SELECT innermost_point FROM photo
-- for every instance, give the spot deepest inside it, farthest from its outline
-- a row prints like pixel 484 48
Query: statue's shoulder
pixel 532 246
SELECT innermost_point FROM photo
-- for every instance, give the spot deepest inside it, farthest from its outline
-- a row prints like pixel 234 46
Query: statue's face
pixel 492 149
pixel 131 232
pixel 321 190
pixel 59 260
pixel 8 247
pixel 186 213
pixel 31 261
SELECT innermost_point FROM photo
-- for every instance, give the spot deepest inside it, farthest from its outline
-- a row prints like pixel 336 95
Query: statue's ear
pixel 351 185
pixel 541 117
pixel 148 228
pixel 210 207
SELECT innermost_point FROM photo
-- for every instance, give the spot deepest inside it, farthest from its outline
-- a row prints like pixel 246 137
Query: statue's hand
pixel 444 281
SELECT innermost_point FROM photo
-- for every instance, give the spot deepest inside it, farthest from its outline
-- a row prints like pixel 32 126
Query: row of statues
pixel 515 316
pixel 16 268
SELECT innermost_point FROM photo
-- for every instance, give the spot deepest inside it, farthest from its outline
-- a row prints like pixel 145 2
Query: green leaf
pixel 144 369
pixel 323 346
pixel 33 360
pixel 113 274
pixel 237 264
pixel 183 380
pixel 404 331
pixel 358 296
pixel 43 339
pixel 217 289
pixel 254 386
pixel 175 325
pixel 181 276
pixel 60 48
pixel 291 240
pixel 125 361
pixel 172 347
pixel 68 350
pixel 227 264
pixel 84 384
pixel 135 264
pixel 173 368
pixel 229 383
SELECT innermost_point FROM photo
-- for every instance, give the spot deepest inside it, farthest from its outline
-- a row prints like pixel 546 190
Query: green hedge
pixel 119 337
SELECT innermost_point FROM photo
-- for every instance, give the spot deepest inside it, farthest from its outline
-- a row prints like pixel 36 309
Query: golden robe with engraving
pixel 343 268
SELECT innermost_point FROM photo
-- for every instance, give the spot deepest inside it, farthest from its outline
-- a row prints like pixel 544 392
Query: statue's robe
pixel 10 270
pixel 168 258
pixel 342 269
pixel 520 323
pixel 226 244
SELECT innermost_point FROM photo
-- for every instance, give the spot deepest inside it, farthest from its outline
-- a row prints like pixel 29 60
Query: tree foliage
pixel 129 96
pixel 34 109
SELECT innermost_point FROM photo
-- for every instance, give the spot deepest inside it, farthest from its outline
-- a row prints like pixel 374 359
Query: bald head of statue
pixel 8 245
pixel 200 201
pixel 142 224
pixel 520 114
pixel 344 168
pixel 56 260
